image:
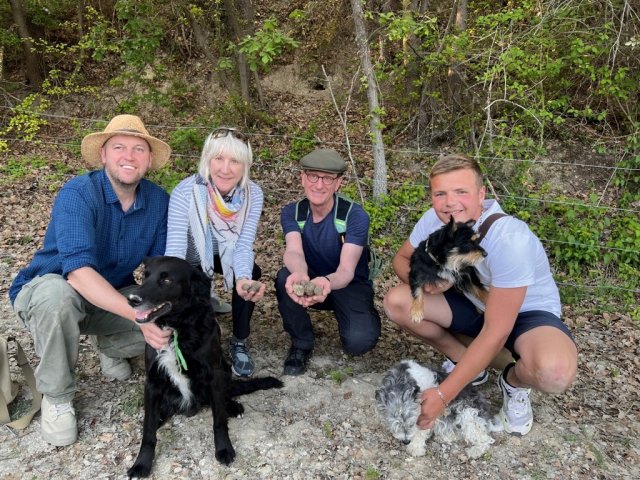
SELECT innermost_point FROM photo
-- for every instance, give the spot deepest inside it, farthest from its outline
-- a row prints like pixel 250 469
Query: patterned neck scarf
pixel 214 219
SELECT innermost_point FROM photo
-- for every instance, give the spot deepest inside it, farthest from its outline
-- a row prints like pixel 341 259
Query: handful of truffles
pixel 251 287
pixel 306 289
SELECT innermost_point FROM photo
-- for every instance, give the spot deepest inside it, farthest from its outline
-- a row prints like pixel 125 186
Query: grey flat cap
pixel 323 160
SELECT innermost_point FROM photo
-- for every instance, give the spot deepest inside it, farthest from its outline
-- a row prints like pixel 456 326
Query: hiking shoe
pixel 482 377
pixel 241 362
pixel 516 415
pixel 58 423
pixel 297 361
pixel 115 368
pixel 221 308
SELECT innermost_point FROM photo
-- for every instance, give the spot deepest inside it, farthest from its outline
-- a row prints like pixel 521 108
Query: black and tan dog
pixel 448 255
pixel 191 372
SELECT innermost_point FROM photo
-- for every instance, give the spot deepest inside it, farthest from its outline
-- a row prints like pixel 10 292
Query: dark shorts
pixel 467 320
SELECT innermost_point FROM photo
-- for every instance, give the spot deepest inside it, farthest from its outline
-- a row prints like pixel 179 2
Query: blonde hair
pixel 456 161
pixel 230 145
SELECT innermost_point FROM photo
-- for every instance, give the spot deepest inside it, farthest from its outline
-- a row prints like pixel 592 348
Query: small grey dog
pixel 467 418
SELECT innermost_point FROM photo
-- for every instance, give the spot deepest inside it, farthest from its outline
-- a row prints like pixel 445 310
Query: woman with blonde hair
pixel 213 219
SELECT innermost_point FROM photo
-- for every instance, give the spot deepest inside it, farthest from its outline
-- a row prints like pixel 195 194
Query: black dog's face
pixel 456 245
pixel 170 285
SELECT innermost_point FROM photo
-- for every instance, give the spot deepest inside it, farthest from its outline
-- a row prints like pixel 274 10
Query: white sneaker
pixel 116 368
pixel 58 423
pixel 482 377
pixel 516 415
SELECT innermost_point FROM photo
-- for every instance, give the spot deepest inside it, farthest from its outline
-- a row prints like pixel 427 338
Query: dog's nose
pixel 406 442
pixel 134 300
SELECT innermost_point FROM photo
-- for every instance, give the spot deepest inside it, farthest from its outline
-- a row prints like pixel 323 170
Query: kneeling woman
pixel 213 218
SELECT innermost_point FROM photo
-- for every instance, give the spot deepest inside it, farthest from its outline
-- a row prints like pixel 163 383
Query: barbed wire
pixel 403 150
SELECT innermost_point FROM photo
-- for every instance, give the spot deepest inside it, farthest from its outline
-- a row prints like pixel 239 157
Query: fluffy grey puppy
pixel 466 419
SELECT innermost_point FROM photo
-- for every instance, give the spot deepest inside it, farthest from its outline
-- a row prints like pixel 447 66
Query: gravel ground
pixel 324 425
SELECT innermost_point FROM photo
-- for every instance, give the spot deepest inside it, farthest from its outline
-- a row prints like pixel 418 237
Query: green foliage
pixel 338 376
pixel 142 32
pixel 587 246
pixel 302 142
pixel 393 217
pixel 27 119
pixel 372 473
pixel 265 45
pixel 327 428
pixel 187 140
pixel 527 68
pixel 133 402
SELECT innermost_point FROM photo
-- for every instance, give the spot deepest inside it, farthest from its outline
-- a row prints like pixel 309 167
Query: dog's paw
pixel 235 409
pixel 416 449
pixel 226 455
pixel 416 312
pixel 476 451
pixel 139 471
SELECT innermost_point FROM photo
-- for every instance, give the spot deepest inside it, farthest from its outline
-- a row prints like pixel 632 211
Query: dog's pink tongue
pixel 142 314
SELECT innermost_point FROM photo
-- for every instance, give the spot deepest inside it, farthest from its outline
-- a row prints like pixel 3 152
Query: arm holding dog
pixel 97 291
pixel 400 265
pixel 502 309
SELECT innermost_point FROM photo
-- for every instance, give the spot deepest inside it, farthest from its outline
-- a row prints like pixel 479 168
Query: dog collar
pixel 182 363
pixel 426 248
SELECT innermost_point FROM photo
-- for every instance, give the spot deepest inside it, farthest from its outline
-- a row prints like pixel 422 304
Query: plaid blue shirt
pixel 89 229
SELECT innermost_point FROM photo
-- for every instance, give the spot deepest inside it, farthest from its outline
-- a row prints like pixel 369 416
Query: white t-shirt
pixel 515 258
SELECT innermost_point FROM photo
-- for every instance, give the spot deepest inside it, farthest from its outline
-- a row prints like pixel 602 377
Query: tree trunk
pixel 453 76
pixel 202 39
pixel 236 32
pixel 379 162
pixel 32 60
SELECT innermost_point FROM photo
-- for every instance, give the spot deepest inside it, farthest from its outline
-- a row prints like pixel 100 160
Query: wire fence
pixel 280 167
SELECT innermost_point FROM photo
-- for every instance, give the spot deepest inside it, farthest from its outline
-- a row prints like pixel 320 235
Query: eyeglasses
pixel 224 131
pixel 314 177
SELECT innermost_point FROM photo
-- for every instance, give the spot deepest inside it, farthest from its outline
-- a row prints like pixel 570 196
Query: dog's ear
pixel 200 284
pixel 451 227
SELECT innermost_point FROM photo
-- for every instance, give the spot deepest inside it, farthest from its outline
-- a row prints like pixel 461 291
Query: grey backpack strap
pixel 486 224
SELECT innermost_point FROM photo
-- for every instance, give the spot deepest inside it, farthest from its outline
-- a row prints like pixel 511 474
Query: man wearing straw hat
pixel 103 223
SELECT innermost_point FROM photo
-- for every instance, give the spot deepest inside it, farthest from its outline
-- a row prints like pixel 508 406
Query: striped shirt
pixel 180 240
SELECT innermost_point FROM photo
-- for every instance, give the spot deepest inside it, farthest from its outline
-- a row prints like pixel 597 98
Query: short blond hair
pixel 230 145
pixel 456 161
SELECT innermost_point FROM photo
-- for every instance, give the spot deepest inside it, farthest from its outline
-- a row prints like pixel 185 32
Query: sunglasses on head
pixel 224 131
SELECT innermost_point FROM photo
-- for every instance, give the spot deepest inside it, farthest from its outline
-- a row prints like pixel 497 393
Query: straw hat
pixel 123 125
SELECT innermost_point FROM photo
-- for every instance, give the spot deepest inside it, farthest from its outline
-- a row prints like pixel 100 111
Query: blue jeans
pixel 358 320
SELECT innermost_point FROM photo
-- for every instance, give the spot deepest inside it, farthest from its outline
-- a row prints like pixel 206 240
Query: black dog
pixel 192 371
pixel 447 255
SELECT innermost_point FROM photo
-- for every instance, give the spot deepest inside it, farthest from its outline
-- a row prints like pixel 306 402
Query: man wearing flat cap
pixel 334 264
pixel 103 223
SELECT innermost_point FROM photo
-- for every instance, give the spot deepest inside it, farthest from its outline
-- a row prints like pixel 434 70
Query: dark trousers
pixel 241 309
pixel 358 320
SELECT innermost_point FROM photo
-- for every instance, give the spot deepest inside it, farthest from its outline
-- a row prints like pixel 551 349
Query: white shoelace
pixel 519 402
pixel 61 409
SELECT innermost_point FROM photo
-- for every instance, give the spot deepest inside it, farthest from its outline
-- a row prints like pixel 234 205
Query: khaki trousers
pixel 56 315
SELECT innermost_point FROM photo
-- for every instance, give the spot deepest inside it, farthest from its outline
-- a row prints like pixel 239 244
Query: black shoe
pixel 297 361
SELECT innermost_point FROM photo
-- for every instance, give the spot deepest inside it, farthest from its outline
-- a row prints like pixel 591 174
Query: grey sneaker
pixel 516 415
pixel 58 423
pixel 221 308
pixel 115 368
pixel 482 377
pixel 241 362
